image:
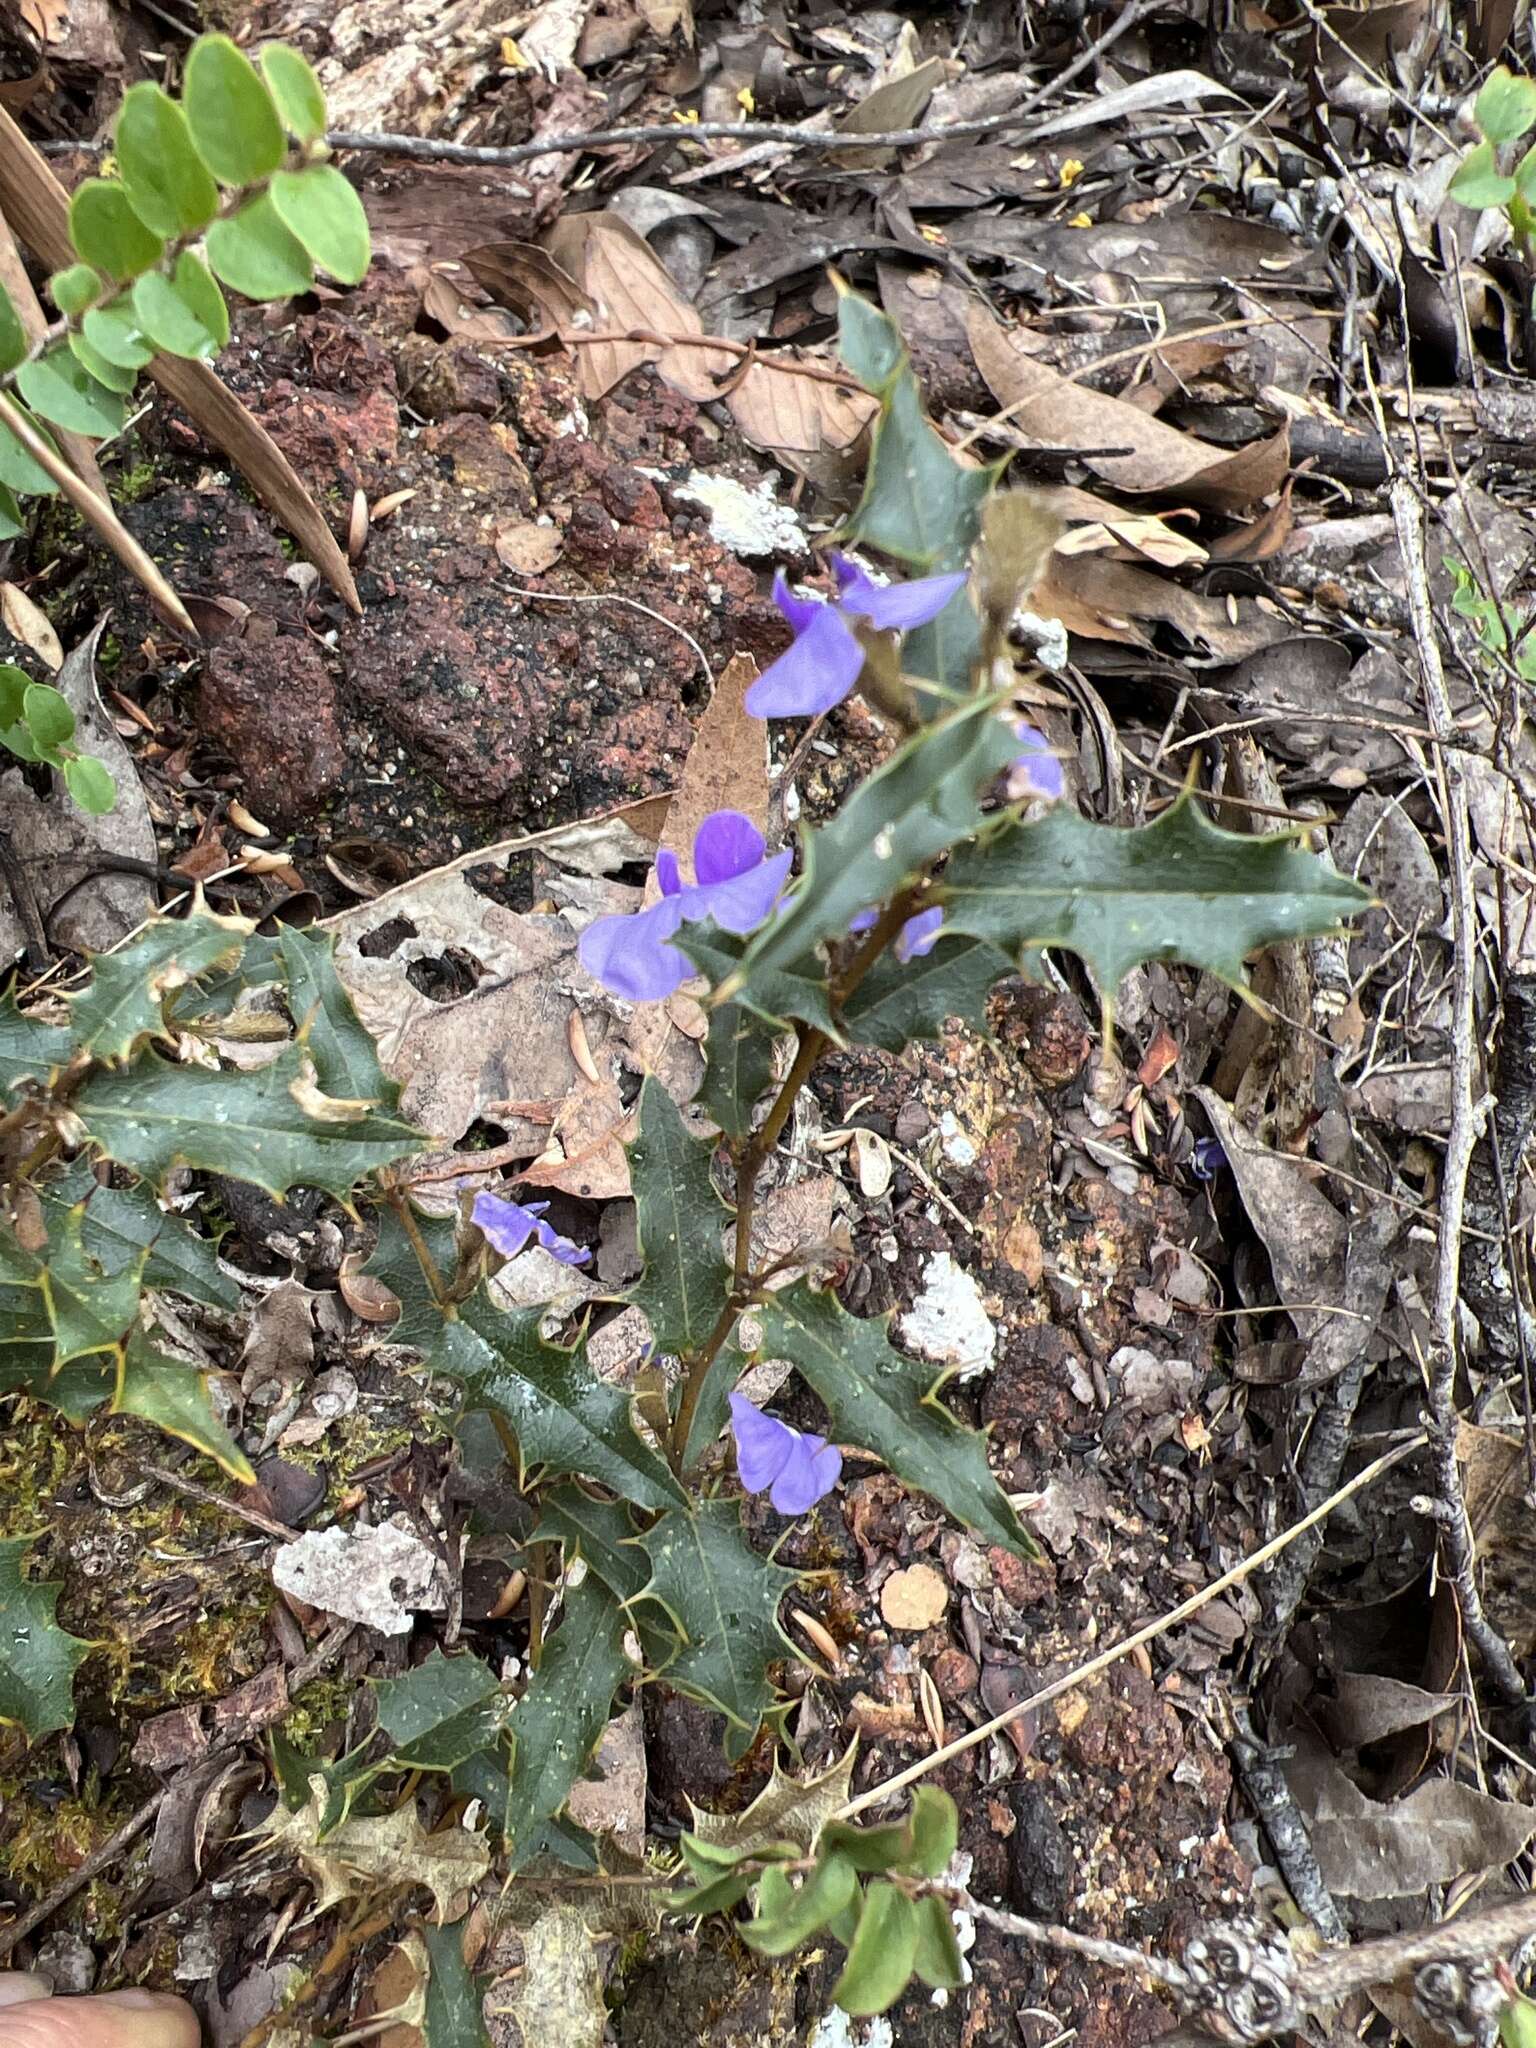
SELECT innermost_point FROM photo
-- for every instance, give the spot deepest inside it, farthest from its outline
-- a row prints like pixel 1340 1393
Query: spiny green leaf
pixel 169 189
pixel 185 314
pixel 296 90
pixel 896 1003
pixel 125 1000
pixel 724 1599
pixel 18 471
pixel 924 800
pixel 919 505
pixel 679 1218
pixel 90 783
pixel 90 1310
pixel 796 1808
pixel 558 1722
pixel 346 1059
pixel 868 341
pixel 739 1067
pixel 13 336
pixel 775 994
pixel 108 234
pixel 395 1262
pixel 230 113
pixel 173 1395
pixel 786 1917
pixel 320 209
pixel 122 1222
pixel 152 1116
pixel 565 1419
pixel 63 390
pixel 253 253
pixel 885 1403
pixel 442 1712
pixel 598 1531
pixel 29 1049
pixel 455 2015
pixel 935 1830
pixel 937 1957
pixel 12 525
pixel 881 1959
pixel 38 1659
pixel 1506 107
pixel 1177 889
pixel 1478 181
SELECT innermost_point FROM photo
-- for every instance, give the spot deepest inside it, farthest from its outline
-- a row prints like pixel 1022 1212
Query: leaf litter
pixel 1129 292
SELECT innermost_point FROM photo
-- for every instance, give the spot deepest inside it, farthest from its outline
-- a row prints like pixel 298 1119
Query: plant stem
pixel 400 1203
pixel 813 1042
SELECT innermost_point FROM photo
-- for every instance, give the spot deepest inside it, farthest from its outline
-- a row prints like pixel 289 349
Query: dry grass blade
pixel 38 206
pixel 97 513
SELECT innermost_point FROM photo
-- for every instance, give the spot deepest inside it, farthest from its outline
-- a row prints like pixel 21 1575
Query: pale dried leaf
pixel 630 288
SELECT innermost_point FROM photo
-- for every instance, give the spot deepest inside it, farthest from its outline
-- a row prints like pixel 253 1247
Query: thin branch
pixel 1456 1543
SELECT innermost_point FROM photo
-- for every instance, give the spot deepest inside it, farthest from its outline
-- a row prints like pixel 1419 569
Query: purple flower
pixel 919 935
pixel 797 1468
pixel 823 665
pixel 509 1225
pixel 1036 772
pixel 734 883
pixel 1210 1157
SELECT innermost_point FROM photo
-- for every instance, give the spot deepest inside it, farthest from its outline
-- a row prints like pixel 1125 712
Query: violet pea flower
pixel 735 883
pixel 796 1467
pixel 509 1225
pixel 919 935
pixel 1036 772
pixel 824 662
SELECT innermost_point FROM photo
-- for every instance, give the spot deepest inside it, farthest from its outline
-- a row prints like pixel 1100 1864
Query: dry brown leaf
pixel 1055 412
pixel 443 301
pixel 897 103
pixel 662 16
pixel 789 415
pixel 27 622
pixel 528 548
pixel 631 289
pixel 1104 600
pixel 528 278
pixel 361 1857
pixel 727 765
pixel 1261 538
pixel 592 1127
pixel 1142 533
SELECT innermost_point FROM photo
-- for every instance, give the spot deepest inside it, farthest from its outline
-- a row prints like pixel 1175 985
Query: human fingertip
pixel 19 1985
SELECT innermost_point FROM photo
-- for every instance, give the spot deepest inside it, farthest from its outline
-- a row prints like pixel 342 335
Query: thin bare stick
pixel 1102 1662
pixel 1458 1552
pixel 98 513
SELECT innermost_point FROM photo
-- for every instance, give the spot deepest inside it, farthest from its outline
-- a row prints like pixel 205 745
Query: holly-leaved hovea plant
pixel 948 867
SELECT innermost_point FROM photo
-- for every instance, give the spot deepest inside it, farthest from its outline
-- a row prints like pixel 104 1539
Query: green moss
pixel 131 485
pixel 317 1707
pixel 109 654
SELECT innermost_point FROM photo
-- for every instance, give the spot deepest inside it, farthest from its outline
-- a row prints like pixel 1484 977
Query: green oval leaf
pixel 169 189
pixel 1479 182
pixel 11 521
pixel 937 1960
pixel 935 1830
pixel 233 121
pixel 1517 2024
pixel 76 288
pixel 321 209
pixel 14 685
pixel 17 469
pixel 295 88
pixel 13 337
pixel 113 375
pixel 255 254
pixel 1506 106
pixel 49 718
pixel 786 1917
pixel 90 783
pixel 884 1952
pixel 108 233
pixel 185 315
pixel 114 332
pixel 64 391
pixel 1525 177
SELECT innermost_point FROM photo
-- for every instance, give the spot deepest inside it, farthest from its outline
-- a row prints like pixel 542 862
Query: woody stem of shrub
pixel 812 1043
pixel 1457 1547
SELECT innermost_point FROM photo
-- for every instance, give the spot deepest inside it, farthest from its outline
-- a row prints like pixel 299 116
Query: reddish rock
pixel 954 1674
pixel 1046 1029
pixel 336 440
pixel 1022 1582
pixel 270 702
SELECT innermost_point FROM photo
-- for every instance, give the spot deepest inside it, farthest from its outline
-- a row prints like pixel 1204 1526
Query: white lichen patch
pixel 748 522
pixel 948 1322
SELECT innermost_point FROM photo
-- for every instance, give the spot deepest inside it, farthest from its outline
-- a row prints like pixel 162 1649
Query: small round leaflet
pixel 162 173
pixel 319 207
pixel 108 233
pixel 255 254
pixel 230 113
pixel 296 89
